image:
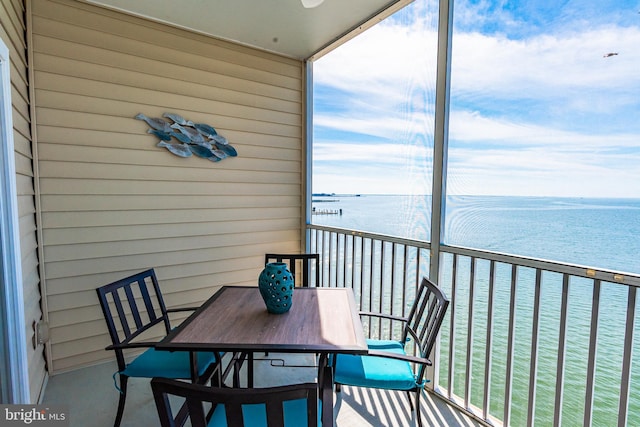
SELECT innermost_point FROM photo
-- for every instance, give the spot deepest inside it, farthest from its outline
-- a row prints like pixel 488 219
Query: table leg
pixel 325 385
pixel 240 360
pixel 193 366
pixel 250 370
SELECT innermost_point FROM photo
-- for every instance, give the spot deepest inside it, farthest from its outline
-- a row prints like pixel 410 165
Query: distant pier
pixel 315 211
pixel 328 198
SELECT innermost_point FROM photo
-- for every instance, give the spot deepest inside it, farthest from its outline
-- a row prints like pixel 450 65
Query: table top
pixel 321 320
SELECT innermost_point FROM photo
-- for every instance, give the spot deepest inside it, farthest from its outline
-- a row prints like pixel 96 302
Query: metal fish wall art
pixel 181 150
pixel 157 124
pixel 200 139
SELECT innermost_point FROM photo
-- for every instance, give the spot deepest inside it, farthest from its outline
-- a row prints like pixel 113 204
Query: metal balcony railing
pixel 527 341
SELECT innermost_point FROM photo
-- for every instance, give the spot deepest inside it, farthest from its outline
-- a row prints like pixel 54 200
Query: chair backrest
pixel 132 306
pixel 274 403
pixel 425 318
pixel 310 263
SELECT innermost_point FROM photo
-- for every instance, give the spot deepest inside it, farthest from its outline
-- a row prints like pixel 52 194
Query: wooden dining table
pixel 235 319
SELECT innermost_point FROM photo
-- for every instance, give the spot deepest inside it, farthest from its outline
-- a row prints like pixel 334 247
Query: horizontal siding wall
pixel 113 203
pixel 12 32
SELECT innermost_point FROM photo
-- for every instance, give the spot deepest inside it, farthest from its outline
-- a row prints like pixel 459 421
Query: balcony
pixel 543 342
pixel 95 198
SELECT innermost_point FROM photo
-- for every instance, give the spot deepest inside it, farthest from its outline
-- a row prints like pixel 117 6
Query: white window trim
pixel 15 382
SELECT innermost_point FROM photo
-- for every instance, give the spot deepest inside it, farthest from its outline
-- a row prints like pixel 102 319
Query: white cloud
pixel 369 180
pixel 474 128
pixel 543 171
pixel 389 154
pixel 575 134
pixel 547 65
pixel 393 127
pixel 371 168
pixel 381 64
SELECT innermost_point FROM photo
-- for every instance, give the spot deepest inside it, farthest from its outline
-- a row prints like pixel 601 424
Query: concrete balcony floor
pixel 92 399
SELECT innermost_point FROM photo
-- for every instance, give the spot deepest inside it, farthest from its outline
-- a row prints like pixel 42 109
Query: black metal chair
pixel 290 405
pixel 310 263
pixel 388 365
pixel 131 307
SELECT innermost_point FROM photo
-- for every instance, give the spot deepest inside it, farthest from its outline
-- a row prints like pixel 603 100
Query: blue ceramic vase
pixel 276 287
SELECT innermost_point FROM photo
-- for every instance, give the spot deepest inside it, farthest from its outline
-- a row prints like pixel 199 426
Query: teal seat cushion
pixel 166 364
pixel 295 415
pixel 375 372
pixel 384 345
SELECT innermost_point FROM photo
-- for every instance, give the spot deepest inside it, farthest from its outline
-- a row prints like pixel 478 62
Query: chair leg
pixel 418 416
pixel 121 401
pixel 410 400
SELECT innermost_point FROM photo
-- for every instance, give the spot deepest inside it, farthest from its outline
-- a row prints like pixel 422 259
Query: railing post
pixel 591 363
pixel 626 360
pixel 562 345
pixel 440 147
pixel 506 419
pixel 441 134
pixel 533 362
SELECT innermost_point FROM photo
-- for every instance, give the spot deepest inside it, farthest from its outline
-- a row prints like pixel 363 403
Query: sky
pixel 545 101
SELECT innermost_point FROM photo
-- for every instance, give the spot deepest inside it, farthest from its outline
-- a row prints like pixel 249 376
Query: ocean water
pixel 599 233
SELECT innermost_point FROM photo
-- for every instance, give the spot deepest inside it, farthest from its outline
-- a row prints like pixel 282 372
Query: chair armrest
pixel 176 310
pixel 124 346
pixel 398 356
pixel 382 315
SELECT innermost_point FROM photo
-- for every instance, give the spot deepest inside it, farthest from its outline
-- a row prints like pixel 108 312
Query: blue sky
pixel 537 106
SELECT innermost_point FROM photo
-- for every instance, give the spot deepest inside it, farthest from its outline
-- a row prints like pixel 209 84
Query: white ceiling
pixel 281 26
